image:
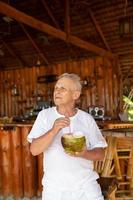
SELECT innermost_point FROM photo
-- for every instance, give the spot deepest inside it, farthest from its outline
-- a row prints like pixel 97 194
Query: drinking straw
pixel 70 129
pixel 67 115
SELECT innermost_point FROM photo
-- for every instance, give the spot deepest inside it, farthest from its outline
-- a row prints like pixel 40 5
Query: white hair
pixel 74 77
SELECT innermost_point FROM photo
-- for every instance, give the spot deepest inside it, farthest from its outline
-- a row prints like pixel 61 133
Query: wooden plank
pixel 110 89
pixel 130 69
pixel 8 94
pixel 50 13
pixel 106 93
pixel 29 166
pixel 34 23
pixel 17 182
pixel 6 162
pixel 93 80
pixel 126 56
pixel 98 29
pixel 89 47
pixel 10 103
pixel 5 94
pixel 2 92
pixel 0 163
pixel 26 80
pixel 40 173
pixel 67 18
pixel 100 81
pixel 115 86
pixel 1 95
pixel 13 53
pixel 13 98
pixel 2 67
pixel 34 44
pixel 85 96
pixel 17 97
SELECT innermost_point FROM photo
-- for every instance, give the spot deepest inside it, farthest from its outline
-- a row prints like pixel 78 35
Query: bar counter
pixel 20 172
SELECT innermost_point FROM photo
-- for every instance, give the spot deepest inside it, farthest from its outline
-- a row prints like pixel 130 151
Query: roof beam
pixel 39 25
pixel 13 53
pixel 128 73
pixel 126 56
pixel 125 53
pixel 50 13
pixel 98 29
pixel 67 18
pixel 34 44
pixel 2 67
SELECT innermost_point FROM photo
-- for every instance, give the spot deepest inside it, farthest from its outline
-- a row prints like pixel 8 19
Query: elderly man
pixel 66 176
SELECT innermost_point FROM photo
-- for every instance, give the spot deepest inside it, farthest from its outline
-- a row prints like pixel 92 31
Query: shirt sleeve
pixel 96 138
pixel 39 127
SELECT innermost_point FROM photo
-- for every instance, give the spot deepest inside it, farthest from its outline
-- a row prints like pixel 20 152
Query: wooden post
pixel 5 162
pixel 17 187
pixel 40 173
pixel 29 166
pixel 0 165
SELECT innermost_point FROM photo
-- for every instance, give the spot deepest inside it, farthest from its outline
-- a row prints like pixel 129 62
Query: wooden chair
pixel 118 166
pixel 123 160
pixel 105 170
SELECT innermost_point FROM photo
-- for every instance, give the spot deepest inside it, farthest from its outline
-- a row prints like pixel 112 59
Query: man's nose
pixel 58 90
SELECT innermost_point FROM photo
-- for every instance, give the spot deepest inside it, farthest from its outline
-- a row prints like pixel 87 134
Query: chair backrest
pixel 118 163
pixel 105 168
pixel 123 160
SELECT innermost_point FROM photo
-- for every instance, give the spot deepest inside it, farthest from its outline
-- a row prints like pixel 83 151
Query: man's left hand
pixel 78 154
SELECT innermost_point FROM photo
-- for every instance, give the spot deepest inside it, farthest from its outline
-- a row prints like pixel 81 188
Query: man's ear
pixel 76 94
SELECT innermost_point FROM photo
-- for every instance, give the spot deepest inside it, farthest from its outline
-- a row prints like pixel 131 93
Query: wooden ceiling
pixel 42 32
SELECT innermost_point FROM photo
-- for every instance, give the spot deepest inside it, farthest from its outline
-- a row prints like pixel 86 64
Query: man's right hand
pixel 40 144
pixel 60 123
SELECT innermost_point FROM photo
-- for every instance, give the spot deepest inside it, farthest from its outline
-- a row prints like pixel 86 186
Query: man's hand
pixel 40 144
pixel 60 123
pixel 78 154
pixel 94 154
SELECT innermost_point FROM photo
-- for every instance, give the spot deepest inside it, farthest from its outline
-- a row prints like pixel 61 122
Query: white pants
pixel 93 192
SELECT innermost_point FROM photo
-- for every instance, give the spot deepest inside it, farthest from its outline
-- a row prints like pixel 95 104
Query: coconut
pixel 73 143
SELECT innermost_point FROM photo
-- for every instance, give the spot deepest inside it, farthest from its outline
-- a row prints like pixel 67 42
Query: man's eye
pixel 62 89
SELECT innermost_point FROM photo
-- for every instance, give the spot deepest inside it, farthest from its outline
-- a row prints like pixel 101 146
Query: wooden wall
pixel 104 88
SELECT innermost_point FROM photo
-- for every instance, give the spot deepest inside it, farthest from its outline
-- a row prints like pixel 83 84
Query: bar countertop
pixel 103 125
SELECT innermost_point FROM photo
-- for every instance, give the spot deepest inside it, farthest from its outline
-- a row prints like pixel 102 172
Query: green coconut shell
pixel 72 143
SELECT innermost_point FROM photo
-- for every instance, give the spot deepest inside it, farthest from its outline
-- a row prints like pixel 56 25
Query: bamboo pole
pixel 110 156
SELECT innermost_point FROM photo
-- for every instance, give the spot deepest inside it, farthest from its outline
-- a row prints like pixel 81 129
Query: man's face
pixel 65 92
